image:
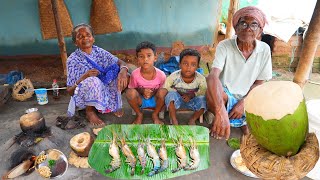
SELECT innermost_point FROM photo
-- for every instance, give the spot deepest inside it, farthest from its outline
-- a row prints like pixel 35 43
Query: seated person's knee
pixel 131 93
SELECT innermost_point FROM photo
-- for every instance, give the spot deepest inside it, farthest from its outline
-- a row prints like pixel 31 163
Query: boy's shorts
pixel 232 101
pixel 148 103
pixel 195 104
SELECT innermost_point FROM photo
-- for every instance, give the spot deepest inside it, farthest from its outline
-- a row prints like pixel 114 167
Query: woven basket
pixel 47 22
pixel 104 17
pixel 267 165
pixel 22 85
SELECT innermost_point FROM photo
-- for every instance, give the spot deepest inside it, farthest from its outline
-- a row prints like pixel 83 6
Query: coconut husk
pixel 77 161
pixel 47 22
pixel 267 165
pixel 104 17
pixel 21 86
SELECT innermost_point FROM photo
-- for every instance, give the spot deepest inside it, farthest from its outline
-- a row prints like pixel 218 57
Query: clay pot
pixel 32 123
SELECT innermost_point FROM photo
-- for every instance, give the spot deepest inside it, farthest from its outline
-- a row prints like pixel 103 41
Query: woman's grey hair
pixel 77 27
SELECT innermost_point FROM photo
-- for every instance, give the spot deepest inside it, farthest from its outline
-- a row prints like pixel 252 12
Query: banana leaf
pixel 99 158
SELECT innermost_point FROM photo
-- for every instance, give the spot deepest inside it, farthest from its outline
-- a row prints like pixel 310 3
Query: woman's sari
pixel 100 92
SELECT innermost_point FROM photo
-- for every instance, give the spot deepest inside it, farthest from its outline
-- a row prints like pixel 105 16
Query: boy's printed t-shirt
pixel 174 82
pixel 137 81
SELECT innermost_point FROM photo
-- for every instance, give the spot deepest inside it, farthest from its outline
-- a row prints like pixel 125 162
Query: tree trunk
pixel 309 47
pixel 233 7
pixel 216 31
pixel 62 45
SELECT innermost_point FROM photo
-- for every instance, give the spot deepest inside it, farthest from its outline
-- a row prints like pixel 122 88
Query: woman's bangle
pixel 76 84
pixel 124 67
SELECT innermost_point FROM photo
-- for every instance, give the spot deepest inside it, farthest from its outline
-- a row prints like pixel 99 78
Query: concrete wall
pixel 161 21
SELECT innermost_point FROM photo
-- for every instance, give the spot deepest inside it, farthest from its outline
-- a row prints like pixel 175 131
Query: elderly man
pixel 240 64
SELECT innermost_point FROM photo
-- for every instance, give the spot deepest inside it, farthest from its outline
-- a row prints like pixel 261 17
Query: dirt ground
pixel 42 71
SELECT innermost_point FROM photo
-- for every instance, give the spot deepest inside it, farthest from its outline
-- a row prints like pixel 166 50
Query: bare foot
pixel 94 119
pixel 156 119
pixel 119 113
pixel 192 122
pixel 175 122
pixel 139 118
pixel 245 129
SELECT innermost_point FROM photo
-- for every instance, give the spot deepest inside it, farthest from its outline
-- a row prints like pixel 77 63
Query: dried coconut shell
pixel 81 144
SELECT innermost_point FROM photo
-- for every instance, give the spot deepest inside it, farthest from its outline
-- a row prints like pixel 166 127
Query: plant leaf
pixel 99 157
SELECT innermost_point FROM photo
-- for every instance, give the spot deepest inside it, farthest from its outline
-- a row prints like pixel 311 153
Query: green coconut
pixel 277 116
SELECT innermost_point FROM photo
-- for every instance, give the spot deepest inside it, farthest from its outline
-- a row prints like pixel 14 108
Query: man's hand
pixel 237 110
pixel 221 125
pixel 122 79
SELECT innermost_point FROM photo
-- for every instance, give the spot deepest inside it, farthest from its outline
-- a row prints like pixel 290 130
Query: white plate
pixel 246 172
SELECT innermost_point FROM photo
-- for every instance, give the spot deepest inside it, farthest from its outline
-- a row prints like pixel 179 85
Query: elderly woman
pixel 95 77
pixel 240 64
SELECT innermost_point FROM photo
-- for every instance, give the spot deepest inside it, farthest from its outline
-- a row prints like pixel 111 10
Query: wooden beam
pixel 61 43
pixel 216 31
pixel 233 7
pixel 309 47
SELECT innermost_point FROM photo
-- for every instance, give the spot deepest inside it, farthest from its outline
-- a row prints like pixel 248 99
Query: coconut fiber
pixel 47 22
pixel 104 17
pixel 267 165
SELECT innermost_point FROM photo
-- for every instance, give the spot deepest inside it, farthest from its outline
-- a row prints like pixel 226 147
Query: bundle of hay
pixel 47 22
pixel 19 90
pixel 267 165
pixel 278 120
pixel 104 17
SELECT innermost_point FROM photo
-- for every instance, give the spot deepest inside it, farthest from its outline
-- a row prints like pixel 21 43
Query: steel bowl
pixel 55 160
pixel 31 110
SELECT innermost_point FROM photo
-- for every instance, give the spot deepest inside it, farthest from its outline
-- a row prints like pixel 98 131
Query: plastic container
pixel 200 70
pixel 42 96
pixel 55 89
pixel 313 108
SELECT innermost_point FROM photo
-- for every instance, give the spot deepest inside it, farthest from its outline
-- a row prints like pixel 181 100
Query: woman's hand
pixel 237 111
pixel 122 79
pixel 89 73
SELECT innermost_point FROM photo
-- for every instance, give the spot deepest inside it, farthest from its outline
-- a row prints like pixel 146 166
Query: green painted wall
pixel 161 21
pixel 243 3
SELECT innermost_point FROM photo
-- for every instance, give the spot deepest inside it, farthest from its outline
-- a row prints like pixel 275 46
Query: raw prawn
pixel 195 156
pixel 115 154
pixel 131 159
pixel 163 156
pixel 152 153
pixel 142 156
pixel 182 156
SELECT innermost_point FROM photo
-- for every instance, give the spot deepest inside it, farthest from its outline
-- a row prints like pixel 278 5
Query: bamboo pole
pixel 233 7
pixel 216 31
pixel 61 43
pixel 309 47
